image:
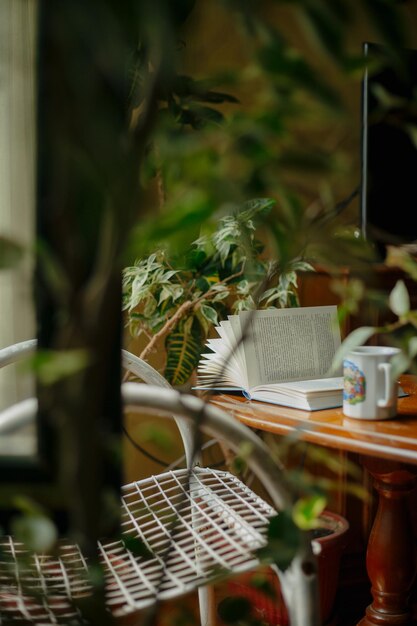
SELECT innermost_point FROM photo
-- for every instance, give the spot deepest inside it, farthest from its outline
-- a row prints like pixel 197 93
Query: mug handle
pixel 389 388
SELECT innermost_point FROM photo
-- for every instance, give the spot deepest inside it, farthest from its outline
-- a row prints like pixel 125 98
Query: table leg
pixel 390 558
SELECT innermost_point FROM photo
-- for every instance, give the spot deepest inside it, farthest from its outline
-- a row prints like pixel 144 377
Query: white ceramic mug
pixel 369 389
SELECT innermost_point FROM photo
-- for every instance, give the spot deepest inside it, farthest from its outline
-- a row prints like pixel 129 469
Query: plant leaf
pixel 37 532
pixel 399 300
pixel 170 291
pixel 10 253
pixel 356 338
pixel 209 313
pixel 52 366
pixel 327 28
pixel 137 546
pixel 157 435
pixel 204 323
pixel 400 363
pixel 412 347
pixel 400 258
pixel 283 540
pixel 412 133
pixel 302 266
pixel 183 352
pixel 150 305
pixel 289 68
pixel 306 511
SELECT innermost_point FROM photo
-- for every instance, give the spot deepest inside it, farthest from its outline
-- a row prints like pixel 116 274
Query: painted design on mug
pixel 354 383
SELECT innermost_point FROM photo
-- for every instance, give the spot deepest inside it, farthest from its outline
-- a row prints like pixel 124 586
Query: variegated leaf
pixel 183 347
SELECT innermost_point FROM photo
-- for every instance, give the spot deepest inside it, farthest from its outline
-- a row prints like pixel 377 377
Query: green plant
pixel 402 330
pixel 224 272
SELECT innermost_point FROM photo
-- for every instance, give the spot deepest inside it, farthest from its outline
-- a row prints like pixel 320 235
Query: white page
pixel 221 366
pixel 239 352
pixel 233 358
pixel 289 344
pixel 208 365
pixel 314 386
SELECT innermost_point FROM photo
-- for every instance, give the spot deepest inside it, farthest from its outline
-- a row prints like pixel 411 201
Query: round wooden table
pixel 389 452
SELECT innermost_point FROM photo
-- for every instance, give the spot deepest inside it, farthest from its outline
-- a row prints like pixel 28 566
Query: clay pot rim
pixel 334 522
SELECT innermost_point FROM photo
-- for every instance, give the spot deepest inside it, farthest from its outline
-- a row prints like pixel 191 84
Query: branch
pixel 181 312
pixel 212 291
pixel 169 325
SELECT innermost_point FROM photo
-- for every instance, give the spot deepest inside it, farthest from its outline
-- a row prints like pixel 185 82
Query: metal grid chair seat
pixel 41 589
pixel 193 525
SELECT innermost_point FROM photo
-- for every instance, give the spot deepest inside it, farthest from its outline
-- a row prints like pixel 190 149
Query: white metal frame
pixel 195 522
pixel 131 362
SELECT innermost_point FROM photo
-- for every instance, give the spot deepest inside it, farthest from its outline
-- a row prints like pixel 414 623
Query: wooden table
pixel 389 452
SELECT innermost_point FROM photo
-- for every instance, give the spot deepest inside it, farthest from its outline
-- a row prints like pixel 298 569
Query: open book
pixel 276 355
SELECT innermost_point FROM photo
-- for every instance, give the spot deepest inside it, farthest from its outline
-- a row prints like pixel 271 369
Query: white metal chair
pixel 195 522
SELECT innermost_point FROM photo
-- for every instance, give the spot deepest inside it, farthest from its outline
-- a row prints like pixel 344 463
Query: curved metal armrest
pixel 18 415
pixel 15 418
pixel 17 351
pixel 138 367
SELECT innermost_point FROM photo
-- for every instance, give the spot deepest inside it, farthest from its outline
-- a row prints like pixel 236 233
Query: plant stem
pixel 184 308
pixel 168 326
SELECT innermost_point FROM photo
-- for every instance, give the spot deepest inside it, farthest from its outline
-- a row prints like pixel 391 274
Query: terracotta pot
pixel 272 610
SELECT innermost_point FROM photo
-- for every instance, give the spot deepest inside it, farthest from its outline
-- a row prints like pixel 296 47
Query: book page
pixel 283 345
pixel 312 387
pixel 238 348
pixel 224 365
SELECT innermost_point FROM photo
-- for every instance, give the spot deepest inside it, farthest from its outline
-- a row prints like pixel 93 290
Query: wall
pixel 17 177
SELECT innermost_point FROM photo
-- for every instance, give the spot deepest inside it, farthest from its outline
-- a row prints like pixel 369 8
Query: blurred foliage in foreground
pixel 274 120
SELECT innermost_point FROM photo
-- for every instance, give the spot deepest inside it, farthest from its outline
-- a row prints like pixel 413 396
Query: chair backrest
pixel 25 411
pixel 299 581
pixel 150 376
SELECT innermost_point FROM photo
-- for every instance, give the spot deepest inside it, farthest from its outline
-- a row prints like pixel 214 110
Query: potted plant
pixel 262 587
pixel 178 300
